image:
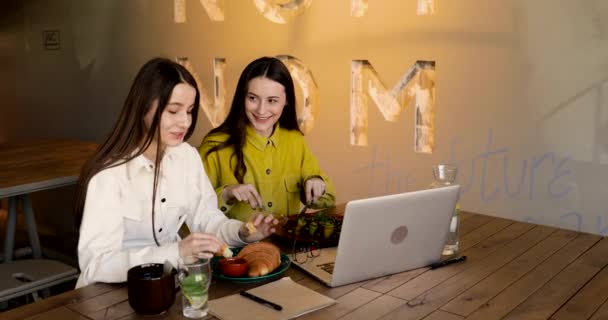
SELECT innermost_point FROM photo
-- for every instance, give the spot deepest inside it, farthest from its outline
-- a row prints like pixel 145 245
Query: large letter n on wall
pixel 215 108
pixel 418 83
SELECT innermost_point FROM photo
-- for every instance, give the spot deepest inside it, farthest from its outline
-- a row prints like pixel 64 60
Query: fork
pixel 294 250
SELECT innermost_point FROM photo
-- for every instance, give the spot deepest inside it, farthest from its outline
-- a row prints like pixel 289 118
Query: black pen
pixel 447 261
pixel 260 300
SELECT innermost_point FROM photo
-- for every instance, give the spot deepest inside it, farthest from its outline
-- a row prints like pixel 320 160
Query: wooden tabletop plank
pixel 345 305
pixel 388 283
pixel 174 313
pixel 429 301
pixel 375 309
pixel 596 256
pixel 483 232
pixel 518 292
pixel 428 280
pixel 100 302
pixel 442 315
pixel 473 223
pixel 112 312
pixel 311 283
pixel 548 299
pixel 65 299
pixel 500 239
pixel 340 291
pixel 58 314
pixel 295 273
pixel 601 313
pixel 470 300
pixel 587 300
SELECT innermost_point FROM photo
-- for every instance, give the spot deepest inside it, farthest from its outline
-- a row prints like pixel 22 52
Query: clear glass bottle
pixel 445 175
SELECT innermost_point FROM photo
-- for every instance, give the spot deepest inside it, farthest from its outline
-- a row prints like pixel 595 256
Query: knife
pixel 303 211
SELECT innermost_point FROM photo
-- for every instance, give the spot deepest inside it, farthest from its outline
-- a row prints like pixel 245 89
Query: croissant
pixel 262 258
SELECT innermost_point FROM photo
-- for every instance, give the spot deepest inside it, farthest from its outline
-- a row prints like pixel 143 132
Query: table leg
pixel 11 227
pixel 32 230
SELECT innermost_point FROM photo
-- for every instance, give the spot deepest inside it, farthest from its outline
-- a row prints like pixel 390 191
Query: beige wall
pixel 520 99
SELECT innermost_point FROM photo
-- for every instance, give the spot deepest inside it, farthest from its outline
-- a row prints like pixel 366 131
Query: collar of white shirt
pixel 141 162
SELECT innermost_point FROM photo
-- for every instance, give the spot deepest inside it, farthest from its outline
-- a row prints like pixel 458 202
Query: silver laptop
pixel 386 235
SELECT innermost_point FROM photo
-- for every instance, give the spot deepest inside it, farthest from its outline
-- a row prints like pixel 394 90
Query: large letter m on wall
pixel 417 84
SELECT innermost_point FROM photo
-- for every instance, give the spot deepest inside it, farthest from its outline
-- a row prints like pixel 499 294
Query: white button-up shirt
pixel 116 229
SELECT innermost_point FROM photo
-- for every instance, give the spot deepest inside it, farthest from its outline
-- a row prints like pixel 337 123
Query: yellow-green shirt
pixel 277 167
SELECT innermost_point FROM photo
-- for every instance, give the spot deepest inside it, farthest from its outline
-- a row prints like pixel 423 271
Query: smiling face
pixel 176 117
pixel 264 104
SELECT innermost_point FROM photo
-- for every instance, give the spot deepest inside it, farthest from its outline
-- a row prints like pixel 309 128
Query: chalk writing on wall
pixel 539 178
pixel 525 185
pixel 393 179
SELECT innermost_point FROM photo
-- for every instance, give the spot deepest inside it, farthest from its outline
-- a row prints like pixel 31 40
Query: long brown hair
pixel 129 137
pixel 236 122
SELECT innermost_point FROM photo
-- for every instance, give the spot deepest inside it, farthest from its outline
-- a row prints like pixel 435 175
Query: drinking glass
pixel 194 277
pixel 445 175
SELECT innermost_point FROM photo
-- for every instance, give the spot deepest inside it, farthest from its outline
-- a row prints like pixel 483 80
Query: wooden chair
pixel 29 276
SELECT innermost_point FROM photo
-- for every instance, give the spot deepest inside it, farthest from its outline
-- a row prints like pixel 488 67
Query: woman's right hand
pixel 258 227
pixel 243 192
pixel 199 244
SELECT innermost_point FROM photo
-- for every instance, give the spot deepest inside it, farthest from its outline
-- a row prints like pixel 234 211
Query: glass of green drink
pixel 194 276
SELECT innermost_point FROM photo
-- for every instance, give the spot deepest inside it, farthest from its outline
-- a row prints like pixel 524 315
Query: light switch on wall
pixel 51 40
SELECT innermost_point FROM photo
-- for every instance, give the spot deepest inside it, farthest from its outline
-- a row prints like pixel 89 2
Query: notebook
pixel 386 235
pixel 295 299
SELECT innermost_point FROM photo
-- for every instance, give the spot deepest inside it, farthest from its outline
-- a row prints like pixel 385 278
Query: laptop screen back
pixel 393 233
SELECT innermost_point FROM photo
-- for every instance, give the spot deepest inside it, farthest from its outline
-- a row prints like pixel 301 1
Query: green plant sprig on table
pixel 327 221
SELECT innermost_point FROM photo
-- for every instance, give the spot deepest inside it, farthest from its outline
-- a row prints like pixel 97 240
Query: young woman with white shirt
pixel 144 181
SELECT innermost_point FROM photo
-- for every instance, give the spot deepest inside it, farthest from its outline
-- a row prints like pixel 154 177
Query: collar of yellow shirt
pixel 261 142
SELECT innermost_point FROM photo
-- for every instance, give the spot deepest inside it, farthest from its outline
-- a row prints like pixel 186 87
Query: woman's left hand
pixel 258 228
pixel 314 188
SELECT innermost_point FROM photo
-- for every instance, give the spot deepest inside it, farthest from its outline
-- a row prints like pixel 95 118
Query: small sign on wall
pixel 50 39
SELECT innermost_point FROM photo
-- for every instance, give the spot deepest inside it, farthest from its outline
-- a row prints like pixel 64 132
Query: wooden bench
pixel 22 277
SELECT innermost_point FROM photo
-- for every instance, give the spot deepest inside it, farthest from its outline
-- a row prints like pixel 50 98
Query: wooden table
pixel 30 166
pixel 514 270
